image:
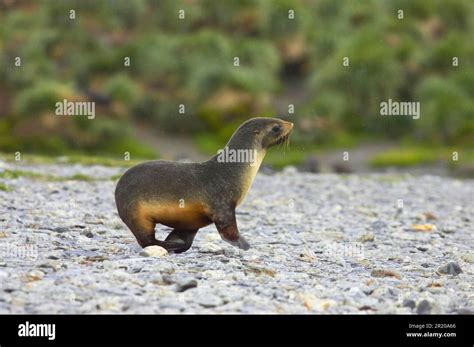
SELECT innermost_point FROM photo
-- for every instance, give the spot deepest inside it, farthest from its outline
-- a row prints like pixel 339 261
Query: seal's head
pixel 265 132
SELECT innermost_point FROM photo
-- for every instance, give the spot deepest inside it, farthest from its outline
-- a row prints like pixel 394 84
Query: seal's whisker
pixel 286 141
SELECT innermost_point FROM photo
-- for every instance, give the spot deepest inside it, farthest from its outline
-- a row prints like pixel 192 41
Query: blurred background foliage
pixel 190 62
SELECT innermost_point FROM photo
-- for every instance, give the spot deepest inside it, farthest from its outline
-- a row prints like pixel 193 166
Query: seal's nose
pixel 290 125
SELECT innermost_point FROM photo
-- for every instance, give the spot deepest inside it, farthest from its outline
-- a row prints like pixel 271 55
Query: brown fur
pixel 190 216
pixel 189 196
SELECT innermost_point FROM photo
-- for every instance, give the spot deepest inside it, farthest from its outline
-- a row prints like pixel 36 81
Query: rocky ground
pixel 320 244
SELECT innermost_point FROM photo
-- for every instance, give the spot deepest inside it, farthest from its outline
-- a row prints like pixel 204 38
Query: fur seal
pixel 189 196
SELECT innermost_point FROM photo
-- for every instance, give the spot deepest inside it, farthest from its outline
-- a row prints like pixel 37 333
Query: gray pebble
pixel 332 222
pixel 181 287
pixel 451 268
pixel 409 303
pixel 424 307
pixel 210 300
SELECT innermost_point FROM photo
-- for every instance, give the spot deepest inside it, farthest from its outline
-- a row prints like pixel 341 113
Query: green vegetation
pixel 104 161
pixel 5 188
pixel 405 157
pixel 415 155
pixel 79 177
pixel 278 160
pixel 191 62
pixel 115 177
pixel 14 174
pixel 82 159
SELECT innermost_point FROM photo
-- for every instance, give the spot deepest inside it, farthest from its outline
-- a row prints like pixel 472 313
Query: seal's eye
pixel 276 129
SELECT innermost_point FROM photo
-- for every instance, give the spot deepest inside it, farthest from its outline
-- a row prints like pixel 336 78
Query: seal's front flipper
pixel 226 224
pixel 240 243
pixel 184 238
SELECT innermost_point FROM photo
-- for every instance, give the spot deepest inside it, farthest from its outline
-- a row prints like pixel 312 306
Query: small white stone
pixel 366 237
pixel 209 300
pixel 210 248
pixel 290 170
pixel 308 256
pixel 154 251
pixel 35 275
pixel 322 305
pixel 3 275
pixel 468 257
